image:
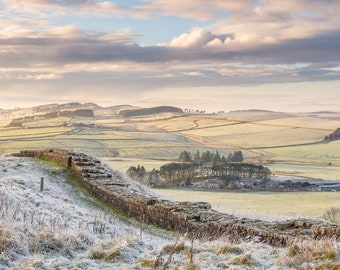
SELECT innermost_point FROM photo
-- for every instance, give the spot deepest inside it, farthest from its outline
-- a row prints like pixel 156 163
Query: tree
pixel 141 172
pixel 237 156
pixel 206 156
pixel 197 157
pixel 153 177
pixel 137 174
pixel 174 173
pixel 184 156
pixel 132 172
pixel 217 157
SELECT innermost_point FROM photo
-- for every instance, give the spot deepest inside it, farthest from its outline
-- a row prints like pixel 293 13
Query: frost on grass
pixel 62 228
pixel 332 215
pixel 59 227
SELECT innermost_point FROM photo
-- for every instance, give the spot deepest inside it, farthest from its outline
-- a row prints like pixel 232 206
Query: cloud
pixel 194 74
pixel 258 22
pixel 47 76
pixel 60 45
pixel 69 52
pixel 194 9
pixel 245 44
pixel 55 8
pixel 197 38
pixel 201 10
pixel 162 76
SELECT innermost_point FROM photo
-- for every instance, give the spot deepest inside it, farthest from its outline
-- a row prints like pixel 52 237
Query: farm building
pixel 249 183
pixel 328 187
pixel 213 184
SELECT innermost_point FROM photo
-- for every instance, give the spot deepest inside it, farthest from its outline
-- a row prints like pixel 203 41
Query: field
pixel 265 206
pixel 281 139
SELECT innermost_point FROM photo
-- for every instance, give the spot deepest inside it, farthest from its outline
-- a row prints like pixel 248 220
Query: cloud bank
pixel 236 43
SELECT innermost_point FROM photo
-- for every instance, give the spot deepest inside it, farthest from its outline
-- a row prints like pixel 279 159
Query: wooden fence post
pixel 41 184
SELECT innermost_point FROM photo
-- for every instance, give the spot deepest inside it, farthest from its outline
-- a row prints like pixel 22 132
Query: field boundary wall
pixel 195 219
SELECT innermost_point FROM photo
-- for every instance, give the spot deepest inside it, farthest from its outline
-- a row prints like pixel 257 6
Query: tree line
pixel 207 156
pixel 175 173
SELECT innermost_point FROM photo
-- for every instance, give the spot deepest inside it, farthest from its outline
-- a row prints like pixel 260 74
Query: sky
pixel 212 55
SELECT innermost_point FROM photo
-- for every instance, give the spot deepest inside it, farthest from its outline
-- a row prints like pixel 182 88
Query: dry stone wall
pixel 194 219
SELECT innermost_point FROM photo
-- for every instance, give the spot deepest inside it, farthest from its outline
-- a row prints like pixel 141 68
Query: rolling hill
pixel 124 135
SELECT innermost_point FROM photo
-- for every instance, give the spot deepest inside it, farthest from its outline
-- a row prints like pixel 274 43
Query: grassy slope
pixel 63 228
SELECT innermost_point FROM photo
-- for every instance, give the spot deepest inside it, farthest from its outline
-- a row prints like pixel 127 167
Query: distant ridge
pixel 150 111
pixel 252 111
pixel 324 112
pixel 122 106
pixel 20 117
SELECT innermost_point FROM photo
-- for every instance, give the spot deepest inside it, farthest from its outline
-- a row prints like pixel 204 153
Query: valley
pixel 291 145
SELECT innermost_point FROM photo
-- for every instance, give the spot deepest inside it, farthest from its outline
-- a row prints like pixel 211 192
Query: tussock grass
pixel 118 250
pixel 30 264
pixel 225 249
pixel 174 248
pixel 326 266
pixel 245 260
pixel 192 266
pixel 332 215
pixel 11 246
pixel 307 255
pixel 5 241
pixel 64 244
pixel 46 243
pixel 108 253
pixel 149 263
pixel 168 257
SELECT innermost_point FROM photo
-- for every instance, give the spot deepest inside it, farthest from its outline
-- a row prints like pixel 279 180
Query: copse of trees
pixel 201 166
pixel 239 170
pixel 333 136
pixel 175 173
pixel 193 111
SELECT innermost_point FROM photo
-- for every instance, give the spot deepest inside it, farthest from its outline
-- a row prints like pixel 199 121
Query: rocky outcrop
pixel 195 219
